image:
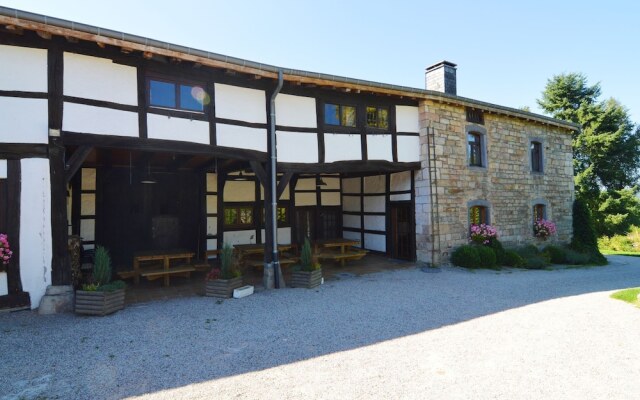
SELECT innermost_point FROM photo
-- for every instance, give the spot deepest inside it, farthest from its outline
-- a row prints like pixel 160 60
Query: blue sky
pixel 505 51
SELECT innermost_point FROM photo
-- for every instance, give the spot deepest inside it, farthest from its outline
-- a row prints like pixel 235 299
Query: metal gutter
pixel 402 90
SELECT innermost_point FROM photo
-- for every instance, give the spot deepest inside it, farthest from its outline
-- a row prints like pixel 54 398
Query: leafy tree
pixel 606 150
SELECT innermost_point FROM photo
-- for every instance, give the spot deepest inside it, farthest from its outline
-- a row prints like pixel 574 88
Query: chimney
pixel 441 77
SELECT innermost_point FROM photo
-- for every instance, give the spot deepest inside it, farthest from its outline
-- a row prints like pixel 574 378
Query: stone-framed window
pixel 476 143
pixel 539 212
pixel 536 155
pixel 479 212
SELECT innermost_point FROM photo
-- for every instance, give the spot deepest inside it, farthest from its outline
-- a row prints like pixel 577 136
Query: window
pixel 238 216
pixel 536 156
pixel 475 116
pixel 539 212
pixel 478 215
pixel 378 117
pixel 335 114
pixel 181 96
pixel 474 149
pixel 282 215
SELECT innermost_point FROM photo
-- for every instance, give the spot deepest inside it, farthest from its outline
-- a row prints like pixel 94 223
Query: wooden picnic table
pixel 345 252
pixel 165 256
pixel 258 249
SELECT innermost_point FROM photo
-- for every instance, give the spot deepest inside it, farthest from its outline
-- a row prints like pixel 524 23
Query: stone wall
pixel 506 183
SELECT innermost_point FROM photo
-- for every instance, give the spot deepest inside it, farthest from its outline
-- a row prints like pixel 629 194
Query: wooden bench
pixel 259 264
pixel 183 270
pixel 342 257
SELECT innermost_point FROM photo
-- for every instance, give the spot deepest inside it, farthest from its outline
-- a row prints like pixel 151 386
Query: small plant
pixel 101 266
pixel 487 257
pixel 307 261
pixel 513 259
pixel 543 228
pixel 228 265
pixel 483 233
pixel 5 249
pixel 466 256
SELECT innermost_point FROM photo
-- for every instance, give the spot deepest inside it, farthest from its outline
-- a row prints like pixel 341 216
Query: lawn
pixel 620 253
pixel 629 295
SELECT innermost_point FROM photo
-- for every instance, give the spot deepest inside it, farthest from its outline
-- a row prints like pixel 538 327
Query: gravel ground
pixel 400 334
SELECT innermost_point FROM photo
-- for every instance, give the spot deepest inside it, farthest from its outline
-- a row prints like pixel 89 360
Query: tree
pixel 606 150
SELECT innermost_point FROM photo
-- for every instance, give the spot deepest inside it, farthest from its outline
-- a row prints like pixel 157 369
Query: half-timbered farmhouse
pixel 134 144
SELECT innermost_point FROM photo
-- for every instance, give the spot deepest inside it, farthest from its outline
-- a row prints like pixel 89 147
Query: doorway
pixel 402 231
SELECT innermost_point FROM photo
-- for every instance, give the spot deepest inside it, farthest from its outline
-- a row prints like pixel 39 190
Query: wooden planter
pixel 306 279
pixel 222 288
pixel 99 303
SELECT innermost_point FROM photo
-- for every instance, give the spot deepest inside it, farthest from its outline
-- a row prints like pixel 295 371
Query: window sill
pixel 477 168
pixel 158 108
pixel 535 173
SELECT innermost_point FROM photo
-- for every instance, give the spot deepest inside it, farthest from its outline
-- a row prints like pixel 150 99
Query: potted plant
pixel 308 273
pixel 221 282
pixel 101 296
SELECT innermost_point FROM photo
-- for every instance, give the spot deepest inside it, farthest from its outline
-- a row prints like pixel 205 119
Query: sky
pixel 505 51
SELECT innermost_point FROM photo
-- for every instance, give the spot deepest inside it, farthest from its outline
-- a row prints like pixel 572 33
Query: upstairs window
pixel 378 117
pixel 478 215
pixel 176 95
pixel 341 115
pixel 536 156
pixel 474 149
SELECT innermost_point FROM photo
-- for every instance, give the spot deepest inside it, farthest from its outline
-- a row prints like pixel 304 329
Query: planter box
pixel 222 288
pixel 306 279
pixel 99 303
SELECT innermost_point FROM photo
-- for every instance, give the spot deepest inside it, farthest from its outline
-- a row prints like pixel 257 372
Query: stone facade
pixel 506 184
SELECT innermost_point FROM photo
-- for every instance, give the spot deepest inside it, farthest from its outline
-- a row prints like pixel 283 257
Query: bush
pixel 466 256
pixel 497 248
pixel 101 266
pixel 307 261
pixel 557 254
pixel 228 263
pixel 528 251
pixel 576 258
pixel 487 257
pixel 112 287
pixel 512 259
pixel 536 262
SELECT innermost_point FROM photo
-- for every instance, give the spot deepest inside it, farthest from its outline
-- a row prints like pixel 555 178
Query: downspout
pixel 275 261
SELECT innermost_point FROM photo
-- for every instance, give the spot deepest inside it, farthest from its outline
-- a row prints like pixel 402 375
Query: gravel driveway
pixel 401 334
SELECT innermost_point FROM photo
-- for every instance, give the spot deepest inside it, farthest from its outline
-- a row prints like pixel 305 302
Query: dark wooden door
pixel 402 232
pixel 329 226
pixel 305 224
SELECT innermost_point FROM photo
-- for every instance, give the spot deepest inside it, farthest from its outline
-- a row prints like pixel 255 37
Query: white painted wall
pixel 23 69
pixel 306 184
pixel 284 235
pixel 374 204
pixel 374 222
pixel 332 183
pixel 212 244
pixel 88 230
pixel 212 225
pixel 239 237
pixel 4 284
pixel 241 104
pixel 351 203
pixel 182 129
pixel 400 181
pixel 212 204
pixel 3 169
pixel 407 119
pixel 374 184
pixel 35 228
pixel 297 147
pixel 212 182
pixel 23 120
pixel 99 79
pixel 408 148
pixel 341 147
pixel 239 191
pixel 241 137
pixel 306 199
pixel 375 242
pixel 351 221
pixel 296 111
pixel 88 179
pixel 379 147
pixel 351 185
pixel 88 204
pixel 352 236
pixel 330 198
pixel 99 120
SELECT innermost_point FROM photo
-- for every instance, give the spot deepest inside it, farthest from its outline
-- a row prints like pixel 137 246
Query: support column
pixel 60 262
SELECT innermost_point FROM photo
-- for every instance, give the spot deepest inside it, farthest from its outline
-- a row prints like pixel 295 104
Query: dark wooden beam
pixel 16 151
pixel 179 161
pixel 75 162
pixel 14 188
pixel 350 167
pixel 260 172
pixel 284 181
pixel 60 263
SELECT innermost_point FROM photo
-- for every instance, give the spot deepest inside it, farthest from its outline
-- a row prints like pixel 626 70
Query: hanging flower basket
pixel 5 251
pixel 542 229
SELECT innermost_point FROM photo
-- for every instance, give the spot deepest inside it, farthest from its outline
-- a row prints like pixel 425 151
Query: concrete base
pixel 57 299
pixel 268 279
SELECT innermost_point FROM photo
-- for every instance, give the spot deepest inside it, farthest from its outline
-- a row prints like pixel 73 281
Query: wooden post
pixel 60 262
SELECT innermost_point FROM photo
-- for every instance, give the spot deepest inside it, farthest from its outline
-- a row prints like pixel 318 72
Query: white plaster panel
pixel 241 137
pixel 305 199
pixel 239 237
pixel 3 169
pixel 332 183
pixel 88 179
pixel 374 184
pixel 241 104
pixel 23 69
pixel 285 194
pixel 341 147
pixel 239 191
pixel 351 203
pixel 352 236
pixel 330 198
pixel 99 120
pixel 374 222
pixel 296 111
pixel 89 246
pixel 212 204
pixel 351 185
pixel 172 128
pixel 407 119
pixel 400 181
pixel 88 229
pixel 379 147
pixel 4 284
pixel 88 204
pixel 284 235
pixel 375 242
pixel 351 221
pixel 212 225
pixel 297 147
pixel 35 228
pixel 306 184
pixel 212 182
pixel 408 148
pixel 212 244
pixel 374 204
pixel 400 197
pixel 100 79
pixel 24 120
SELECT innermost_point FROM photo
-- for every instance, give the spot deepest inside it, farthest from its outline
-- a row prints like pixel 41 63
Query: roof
pixel 55 26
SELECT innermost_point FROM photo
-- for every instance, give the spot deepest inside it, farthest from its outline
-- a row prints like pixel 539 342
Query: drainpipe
pixel 275 261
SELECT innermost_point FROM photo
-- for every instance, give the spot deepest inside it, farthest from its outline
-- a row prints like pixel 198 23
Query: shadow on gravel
pixel 163 345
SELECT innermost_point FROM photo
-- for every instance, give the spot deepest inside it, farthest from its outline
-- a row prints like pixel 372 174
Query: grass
pixel 620 253
pixel 629 295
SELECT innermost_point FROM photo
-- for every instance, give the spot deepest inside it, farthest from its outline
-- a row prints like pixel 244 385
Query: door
pixel 305 224
pixel 402 232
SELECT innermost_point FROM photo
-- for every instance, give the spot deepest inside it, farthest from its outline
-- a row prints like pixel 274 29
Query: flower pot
pixel 306 279
pixel 99 303
pixel 222 288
